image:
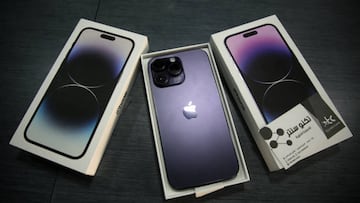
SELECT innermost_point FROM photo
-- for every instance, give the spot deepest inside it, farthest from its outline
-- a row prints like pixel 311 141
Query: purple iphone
pixel 195 136
pixel 272 73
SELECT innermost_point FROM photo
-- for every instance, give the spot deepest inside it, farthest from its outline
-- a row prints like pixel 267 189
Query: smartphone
pixel 72 106
pixel 272 73
pixel 195 136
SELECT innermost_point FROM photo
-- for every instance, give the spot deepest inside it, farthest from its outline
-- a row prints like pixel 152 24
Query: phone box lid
pixel 88 163
pixel 169 192
pixel 294 135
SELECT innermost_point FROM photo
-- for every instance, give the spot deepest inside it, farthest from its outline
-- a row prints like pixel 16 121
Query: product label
pixel 302 131
pixel 330 123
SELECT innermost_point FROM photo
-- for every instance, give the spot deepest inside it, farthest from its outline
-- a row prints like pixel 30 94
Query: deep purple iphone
pixel 272 73
pixel 195 136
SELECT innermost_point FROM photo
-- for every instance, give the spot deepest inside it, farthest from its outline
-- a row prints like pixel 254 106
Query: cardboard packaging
pixel 287 110
pixel 72 115
pixel 169 192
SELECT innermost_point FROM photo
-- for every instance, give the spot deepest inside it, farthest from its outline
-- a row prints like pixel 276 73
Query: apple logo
pixel 190 111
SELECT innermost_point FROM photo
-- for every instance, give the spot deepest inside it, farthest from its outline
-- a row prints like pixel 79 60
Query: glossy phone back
pixel 195 137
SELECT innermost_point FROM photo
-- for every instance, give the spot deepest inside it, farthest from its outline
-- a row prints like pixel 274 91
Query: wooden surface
pixel 33 33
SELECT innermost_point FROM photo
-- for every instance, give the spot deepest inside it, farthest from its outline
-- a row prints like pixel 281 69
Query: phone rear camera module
pixel 167 71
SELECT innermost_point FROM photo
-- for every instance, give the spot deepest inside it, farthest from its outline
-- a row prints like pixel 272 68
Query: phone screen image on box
pixel 195 137
pixel 72 106
pixel 272 73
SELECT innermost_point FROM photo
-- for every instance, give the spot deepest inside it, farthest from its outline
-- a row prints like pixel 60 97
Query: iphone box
pixel 196 142
pixel 287 110
pixel 72 115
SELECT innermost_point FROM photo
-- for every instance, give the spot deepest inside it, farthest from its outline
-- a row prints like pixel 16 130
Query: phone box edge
pixel 89 162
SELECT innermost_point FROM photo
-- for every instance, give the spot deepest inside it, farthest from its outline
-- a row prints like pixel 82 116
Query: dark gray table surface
pixel 33 33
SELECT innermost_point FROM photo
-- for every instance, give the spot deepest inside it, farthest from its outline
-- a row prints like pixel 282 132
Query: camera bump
pixel 167 71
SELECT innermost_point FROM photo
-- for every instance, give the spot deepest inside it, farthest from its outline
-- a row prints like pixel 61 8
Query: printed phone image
pixel 272 73
pixel 195 136
pixel 72 106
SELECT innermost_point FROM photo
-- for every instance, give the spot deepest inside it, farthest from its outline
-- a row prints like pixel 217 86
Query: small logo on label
pixel 267 134
pixel 328 121
pixel 189 111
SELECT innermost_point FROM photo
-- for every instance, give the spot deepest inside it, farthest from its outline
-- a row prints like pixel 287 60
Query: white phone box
pixel 309 126
pixel 77 138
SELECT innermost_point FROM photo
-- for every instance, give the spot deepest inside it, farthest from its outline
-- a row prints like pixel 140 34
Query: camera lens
pixel 159 65
pixel 158 68
pixel 175 68
pixel 161 79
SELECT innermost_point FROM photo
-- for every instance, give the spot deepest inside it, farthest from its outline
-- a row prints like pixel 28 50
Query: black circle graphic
pixel 282 96
pixel 266 133
pixel 72 106
pixel 280 131
pixel 273 144
pixel 91 68
pixel 289 142
pixel 269 65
